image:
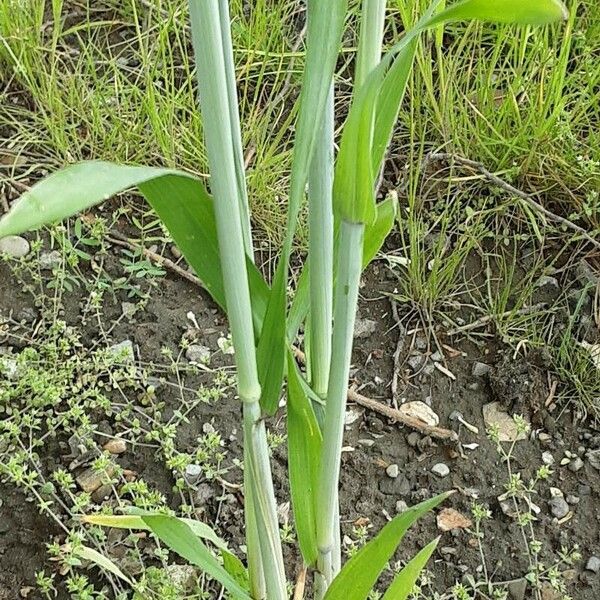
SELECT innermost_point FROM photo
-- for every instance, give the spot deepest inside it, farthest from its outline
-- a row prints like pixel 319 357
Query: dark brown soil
pixel 368 495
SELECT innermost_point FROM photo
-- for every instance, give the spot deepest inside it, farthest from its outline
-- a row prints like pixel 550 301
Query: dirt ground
pixel 369 495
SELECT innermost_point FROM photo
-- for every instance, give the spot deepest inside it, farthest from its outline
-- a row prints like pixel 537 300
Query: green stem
pixel 345 305
pixel 320 254
pixel 371 39
pixel 215 103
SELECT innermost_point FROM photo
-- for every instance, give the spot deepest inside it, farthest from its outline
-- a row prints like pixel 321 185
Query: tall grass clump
pixel 346 229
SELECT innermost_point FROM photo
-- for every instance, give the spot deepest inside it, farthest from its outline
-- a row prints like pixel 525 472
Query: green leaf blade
pixel 360 573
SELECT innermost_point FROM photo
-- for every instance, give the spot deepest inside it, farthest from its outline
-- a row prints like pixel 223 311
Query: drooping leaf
pixel 102 561
pixel 360 573
pixel 405 580
pixel 179 537
pixel 531 12
pixel 179 199
pixel 234 566
pixel 135 521
pixel 304 449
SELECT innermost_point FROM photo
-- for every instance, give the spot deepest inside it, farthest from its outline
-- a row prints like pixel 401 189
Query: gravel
pixel 15 246
pixel 393 471
pixel 441 470
pixel 559 507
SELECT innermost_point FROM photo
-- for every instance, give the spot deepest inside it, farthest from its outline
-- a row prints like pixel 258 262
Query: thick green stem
pixel 371 39
pixel 215 103
pixel 320 253
pixel 256 574
pixel 345 304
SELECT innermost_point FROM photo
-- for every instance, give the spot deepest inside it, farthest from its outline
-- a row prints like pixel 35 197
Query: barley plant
pixel 346 229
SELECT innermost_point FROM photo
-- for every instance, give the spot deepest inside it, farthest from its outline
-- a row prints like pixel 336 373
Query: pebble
pixel 401 506
pixel 116 446
pixel 192 473
pixel 420 410
pixel 399 486
pixel 15 246
pixel 547 458
pixel 393 471
pixel 417 362
pixel 198 354
pixel 593 564
pixel 449 519
pixel 571 499
pixel 437 356
pixel 517 589
pixel 441 470
pixel 90 480
pixel 363 328
pixel 558 507
pixel 49 261
pixel 175 251
pixel 366 443
pixel 481 369
pixel 413 439
pixel 576 465
pixel 123 351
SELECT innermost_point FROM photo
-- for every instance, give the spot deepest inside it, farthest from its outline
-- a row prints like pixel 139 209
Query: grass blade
pixel 404 582
pixel 304 448
pixel 179 537
pixel 358 576
pixel 102 561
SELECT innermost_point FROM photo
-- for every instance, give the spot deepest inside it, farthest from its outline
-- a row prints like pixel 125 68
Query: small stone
pixel 517 589
pixel 193 473
pixel 367 443
pixel 393 471
pixel 198 354
pixel 398 486
pixel 481 369
pixel 572 499
pixel 183 577
pixel 507 428
pixel 116 446
pixel 15 246
pixel 576 465
pixel 420 410
pixel 128 309
pixel 558 507
pixel 363 328
pixel 421 343
pixel 440 469
pixel 48 261
pixel 508 508
pixel 175 251
pixel 548 281
pixel 102 493
pixel 474 387
pixel 549 593
pixel 122 352
pixel 401 507
pixel 449 519
pixel 544 437
pixel 90 480
pixel 351 417
pixel 413 439
pixel 437 356
pixel 417 362
pixel 547 458
pixel 447 551
pixel 593 564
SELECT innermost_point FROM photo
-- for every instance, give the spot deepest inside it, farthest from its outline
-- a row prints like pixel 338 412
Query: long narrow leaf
pixel 102 561
pixel 181 539
pixel 304 449
pixel 404 582
pixel 179 199
pixel 359 574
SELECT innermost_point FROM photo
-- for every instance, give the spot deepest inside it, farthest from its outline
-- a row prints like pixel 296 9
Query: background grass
pixel 113 80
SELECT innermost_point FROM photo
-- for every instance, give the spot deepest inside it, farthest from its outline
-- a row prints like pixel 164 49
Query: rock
pixel 102 493
pixel 399 486
pixel 508 508
pixel 437 356
pixel 571 499
pixel 352 416
pixel 393 471
pixel 175 251
pixel 420 410
pixel 593 564
pixel 48 261
pixel 594 458
pixel 576 465
pixel 549 593
pixel 547 458
pixel 546 280
pixel 413 439
pixel 122 352
pixel 449 519
pixel 226 345
pixel 440 469
pixel 198 354
pixel 558 507
pixel 115 446
pixel 90 480
pixel 417 362
pixel 203 494
pixel 193 473
pixel 507 428
pixel 128 309
pixel 366 443
pixel 363 328
pixel 481 369
pixel 401 507
pixel 183 577
pixel 15 246
pixel 517 589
